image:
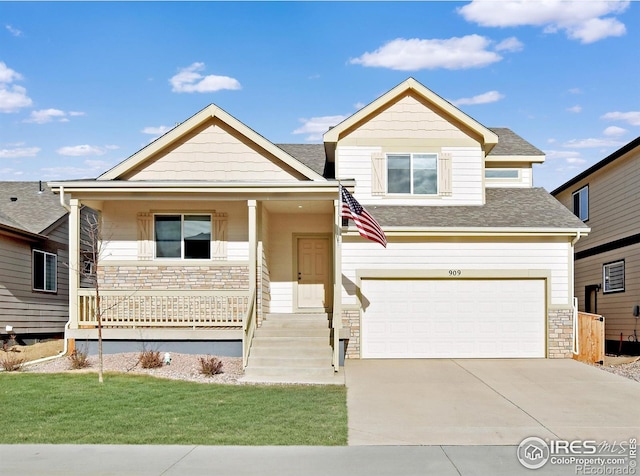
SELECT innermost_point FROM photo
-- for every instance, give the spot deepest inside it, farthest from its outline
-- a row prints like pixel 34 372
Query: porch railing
pixel 249 328
pixel 175 308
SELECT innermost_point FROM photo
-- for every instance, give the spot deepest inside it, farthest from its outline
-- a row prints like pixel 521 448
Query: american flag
pixel 367 226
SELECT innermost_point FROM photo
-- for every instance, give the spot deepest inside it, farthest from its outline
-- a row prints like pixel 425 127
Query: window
pixel 613 277
pixel 183 236
pixel 45 271
pixel 502 173
pixel 415 174
pixel 581 203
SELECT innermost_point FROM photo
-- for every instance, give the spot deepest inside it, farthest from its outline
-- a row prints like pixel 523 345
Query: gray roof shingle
pixel 33 211
pixel 311 155
pixel 504 208
pixel 510 143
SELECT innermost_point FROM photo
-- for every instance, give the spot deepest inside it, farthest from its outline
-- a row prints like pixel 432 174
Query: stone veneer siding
pixel 559 333
pixel 173 277
pixel 351 321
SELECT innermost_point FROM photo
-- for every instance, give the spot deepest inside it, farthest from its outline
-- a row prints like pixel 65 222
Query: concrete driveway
pixel 487 402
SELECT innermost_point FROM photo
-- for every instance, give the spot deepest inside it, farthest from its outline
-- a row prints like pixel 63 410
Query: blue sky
pixel 83 85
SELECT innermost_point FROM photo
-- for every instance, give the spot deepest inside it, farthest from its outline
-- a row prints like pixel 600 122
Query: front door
pixel 314 273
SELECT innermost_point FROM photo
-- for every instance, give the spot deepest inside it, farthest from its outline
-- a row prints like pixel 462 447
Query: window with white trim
pixel 182 236
pixel 581 203
pixel 613 277
pixel 414 174
pixel 45 271
pixel 502 173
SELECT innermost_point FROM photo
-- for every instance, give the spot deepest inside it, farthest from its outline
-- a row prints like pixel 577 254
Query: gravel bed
pixel 182 367
pixel 629 370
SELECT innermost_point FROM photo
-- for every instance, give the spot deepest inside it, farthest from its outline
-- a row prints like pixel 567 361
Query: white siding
pixel 483 256
pixel 467 176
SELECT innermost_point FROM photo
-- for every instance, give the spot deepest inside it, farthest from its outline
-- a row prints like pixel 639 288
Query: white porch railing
pixel 175 308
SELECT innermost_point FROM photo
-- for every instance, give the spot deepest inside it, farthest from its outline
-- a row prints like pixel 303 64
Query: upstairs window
pixel 45 271
pixel 502 173
pixel 415 174
pixel 613 277
pixel 183 236
pixel 581 203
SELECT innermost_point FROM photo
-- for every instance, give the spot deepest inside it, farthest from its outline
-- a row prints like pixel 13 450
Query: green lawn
pixel 76 409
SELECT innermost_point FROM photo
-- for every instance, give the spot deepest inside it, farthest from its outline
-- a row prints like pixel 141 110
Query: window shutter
pixel 219 228
pixel 444 174
pixel 378 174
pixel 145 238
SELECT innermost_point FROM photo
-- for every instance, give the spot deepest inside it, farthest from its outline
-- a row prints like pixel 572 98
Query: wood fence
pixel 590 338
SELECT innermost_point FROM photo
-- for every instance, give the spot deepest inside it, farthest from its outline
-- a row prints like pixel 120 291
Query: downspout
pixel 61 354
pixel 62 202
pixel 574 332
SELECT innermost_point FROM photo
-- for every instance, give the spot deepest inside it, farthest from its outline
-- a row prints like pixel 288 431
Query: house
pixel 34 293
pixel 607 262
pixel 217 236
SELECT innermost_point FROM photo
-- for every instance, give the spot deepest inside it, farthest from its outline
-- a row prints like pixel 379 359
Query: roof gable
pixel 414 89
pixel 215 144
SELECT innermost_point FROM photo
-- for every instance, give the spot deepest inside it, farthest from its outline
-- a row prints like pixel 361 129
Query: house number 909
pixel 455 272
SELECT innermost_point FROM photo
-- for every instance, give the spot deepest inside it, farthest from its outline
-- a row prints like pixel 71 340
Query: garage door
pixel 453 318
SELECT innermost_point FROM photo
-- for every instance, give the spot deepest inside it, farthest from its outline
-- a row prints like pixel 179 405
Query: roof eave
pixel 479 231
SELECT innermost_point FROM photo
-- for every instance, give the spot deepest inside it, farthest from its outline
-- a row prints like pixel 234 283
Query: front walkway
pixel 487 402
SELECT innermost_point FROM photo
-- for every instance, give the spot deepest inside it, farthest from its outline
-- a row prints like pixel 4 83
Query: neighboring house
pixel 607 262
pixel 212 231
pixel 34 293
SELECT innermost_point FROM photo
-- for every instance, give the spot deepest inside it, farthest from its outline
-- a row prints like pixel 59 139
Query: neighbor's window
pixel 613 277
pixel 502 173
pixel 45 271
pixel 183 236
pixel 412 173
pixel 581 203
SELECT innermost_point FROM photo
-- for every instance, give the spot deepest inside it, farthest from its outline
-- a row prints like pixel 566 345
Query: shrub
pixel 11 362
pixel 149 359
pixel 79 359
pixel 210 365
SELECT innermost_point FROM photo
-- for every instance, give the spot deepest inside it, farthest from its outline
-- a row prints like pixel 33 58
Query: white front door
pixel 314 273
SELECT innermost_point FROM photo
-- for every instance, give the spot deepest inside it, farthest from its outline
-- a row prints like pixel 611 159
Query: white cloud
pixel 485 98
pixel 614 131
pixel 112 147
pixel 12 97
pixel 590 143
pixel 414 54
pixel 189 80
pixel 511 44
pixel 76 113
pixel 630 117
pixel 580 20
pixel 13 31
pixel 44 115
pixel 577 109
pixel 317 126
pixel 575 91
pixel 80 150
pixel 156 131
pixel 19 152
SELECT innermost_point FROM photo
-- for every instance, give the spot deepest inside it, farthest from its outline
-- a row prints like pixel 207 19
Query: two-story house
pixel 212 235
pixel 607 262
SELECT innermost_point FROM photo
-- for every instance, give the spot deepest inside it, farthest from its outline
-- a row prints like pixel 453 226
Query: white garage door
pixel 425 318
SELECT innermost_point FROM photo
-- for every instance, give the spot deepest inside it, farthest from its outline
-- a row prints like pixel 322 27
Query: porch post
pixel 253 243
pixel 337 282
pixel 74 261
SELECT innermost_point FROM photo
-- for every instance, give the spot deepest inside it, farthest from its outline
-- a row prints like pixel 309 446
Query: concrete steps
pixel 292 348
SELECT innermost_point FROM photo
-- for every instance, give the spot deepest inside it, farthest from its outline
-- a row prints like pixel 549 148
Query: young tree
pixel 91 244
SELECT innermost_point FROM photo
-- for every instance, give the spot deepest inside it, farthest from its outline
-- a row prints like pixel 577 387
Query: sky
pixel 84 85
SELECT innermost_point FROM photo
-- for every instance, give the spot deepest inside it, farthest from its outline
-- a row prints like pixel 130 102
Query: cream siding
pixel 408 118
pixel 479 255
pixel 120 226
pixel 213 153
pixel 467 175
pixel 282 229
